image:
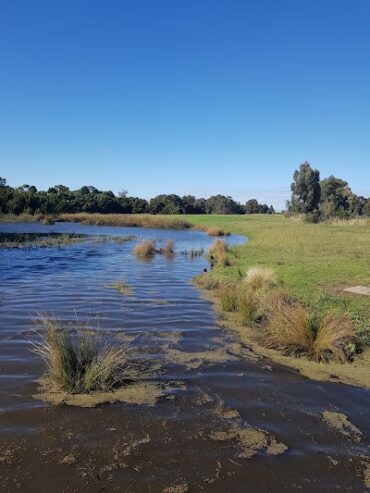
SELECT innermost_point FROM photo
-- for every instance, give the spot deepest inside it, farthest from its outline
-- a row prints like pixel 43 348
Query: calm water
pixel 133 448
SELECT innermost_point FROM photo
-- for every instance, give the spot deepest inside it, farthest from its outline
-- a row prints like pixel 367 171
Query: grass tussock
pixel 145 249
pixel 260 278
pixel 294 332
pixel 213 231
pixel 168 249
pixel 249 307
pixel 129 220
pixel 218 253
pixel 334 339
pixel 228 296
pixel 82 362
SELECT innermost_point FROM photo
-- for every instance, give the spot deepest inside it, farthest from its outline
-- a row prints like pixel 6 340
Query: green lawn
pixel 314 261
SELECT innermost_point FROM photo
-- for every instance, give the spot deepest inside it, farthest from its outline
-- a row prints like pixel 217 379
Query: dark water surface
pixel 191 440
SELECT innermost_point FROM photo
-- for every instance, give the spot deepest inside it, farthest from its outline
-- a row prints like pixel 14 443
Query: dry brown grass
pixel 169 248
pixel 218 252
pixel 130 220
pixel 145 249
pixel 260 278
pixel 82 362
pixel 334 339
pixel 213 231
pixel 289 330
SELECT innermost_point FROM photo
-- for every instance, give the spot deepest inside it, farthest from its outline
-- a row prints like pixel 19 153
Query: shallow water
pixel 193 438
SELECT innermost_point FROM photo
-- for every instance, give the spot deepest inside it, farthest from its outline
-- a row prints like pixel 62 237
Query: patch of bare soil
pixel 341 423
pixel 194 360
pixel 144 393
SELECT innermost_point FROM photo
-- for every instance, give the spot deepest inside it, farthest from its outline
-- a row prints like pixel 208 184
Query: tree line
pixel 60 199
pixel 324 199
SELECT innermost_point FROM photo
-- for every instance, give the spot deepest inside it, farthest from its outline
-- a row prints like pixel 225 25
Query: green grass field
pixel 313 261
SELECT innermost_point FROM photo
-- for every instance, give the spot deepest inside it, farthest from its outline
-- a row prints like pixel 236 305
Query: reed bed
pixel 128 220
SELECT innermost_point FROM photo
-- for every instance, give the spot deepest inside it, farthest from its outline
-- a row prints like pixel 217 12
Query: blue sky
pixel 195 96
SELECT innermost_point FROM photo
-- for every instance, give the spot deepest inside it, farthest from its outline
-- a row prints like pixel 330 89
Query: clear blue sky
pixel 184 96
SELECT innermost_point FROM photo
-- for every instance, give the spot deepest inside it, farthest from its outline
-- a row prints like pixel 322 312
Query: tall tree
pixel 306 190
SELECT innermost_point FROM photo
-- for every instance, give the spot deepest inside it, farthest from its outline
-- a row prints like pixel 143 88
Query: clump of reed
pixel 260 278
pixel 129 220
pixel 82 362
pixel 218 253
pixel 145 249
pixel 168 249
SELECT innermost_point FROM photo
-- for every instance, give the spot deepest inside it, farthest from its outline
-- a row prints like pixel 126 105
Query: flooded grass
pixel 41 240
pixel 82 362
pixel 145 249
pixel 121 287
pixel 193 252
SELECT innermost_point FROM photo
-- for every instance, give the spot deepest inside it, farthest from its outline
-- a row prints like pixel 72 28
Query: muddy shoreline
pixel 355 373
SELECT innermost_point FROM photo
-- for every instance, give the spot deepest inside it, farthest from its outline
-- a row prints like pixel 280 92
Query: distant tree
pixel 271 210
pixel 252 206
pixel 2 182
pixel 219 204
pixel 306 190
pixel 366 209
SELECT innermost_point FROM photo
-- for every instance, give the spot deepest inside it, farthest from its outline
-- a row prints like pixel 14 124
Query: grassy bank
pixel 313 262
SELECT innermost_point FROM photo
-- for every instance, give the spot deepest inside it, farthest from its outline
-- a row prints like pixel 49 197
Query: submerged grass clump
pixel 39 240
pixel 82 362
pixel 145 249
pixel 168 249
pixel 122 287
pixel 194 252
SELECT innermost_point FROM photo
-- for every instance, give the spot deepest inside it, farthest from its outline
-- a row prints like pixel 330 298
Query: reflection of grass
pixel 82 362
